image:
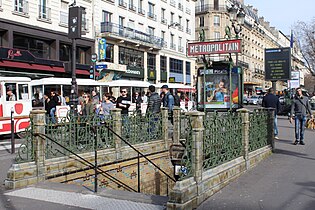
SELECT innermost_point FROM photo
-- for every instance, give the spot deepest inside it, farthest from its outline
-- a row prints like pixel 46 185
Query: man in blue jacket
pixel 168 101
pixel 272 101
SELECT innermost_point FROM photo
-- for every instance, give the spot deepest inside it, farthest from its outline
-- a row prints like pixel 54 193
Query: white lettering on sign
pixel 217 47
pixel 133 72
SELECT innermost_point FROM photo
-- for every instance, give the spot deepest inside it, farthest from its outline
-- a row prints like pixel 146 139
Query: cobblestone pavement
pixel 286 180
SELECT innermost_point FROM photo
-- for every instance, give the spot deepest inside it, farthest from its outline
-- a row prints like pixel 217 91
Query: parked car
pixel 253 100
pixel 245 100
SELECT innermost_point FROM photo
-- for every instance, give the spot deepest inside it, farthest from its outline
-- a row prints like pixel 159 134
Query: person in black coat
pixel 137 100
pixel 272 101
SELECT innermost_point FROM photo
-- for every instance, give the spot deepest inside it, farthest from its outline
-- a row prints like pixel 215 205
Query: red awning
pixel 21 65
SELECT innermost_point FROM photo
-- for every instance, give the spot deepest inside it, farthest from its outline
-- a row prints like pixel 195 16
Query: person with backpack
pixel 299 109
pixel 168 101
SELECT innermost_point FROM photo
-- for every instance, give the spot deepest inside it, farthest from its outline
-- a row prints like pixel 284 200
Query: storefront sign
pixel 102 49
pixel 110 66
pixel 278 64
pixel 216 47
pixel 295 80
pixel 134 72
pixel 16 54
pixel 151 74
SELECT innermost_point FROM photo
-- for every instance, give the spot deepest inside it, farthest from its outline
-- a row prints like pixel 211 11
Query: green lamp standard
pixel 237 18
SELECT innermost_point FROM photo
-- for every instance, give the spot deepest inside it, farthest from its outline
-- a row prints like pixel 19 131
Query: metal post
pixel 95 160
pixel 12 132
pixel 74 87
pixel 139 187
pixel 230 78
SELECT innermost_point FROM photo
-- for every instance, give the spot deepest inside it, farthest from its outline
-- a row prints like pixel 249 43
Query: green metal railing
pixel 222 138
pixel 139 129
pixel 258 129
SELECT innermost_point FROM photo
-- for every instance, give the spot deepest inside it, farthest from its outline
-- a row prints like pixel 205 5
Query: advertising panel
pixel 217 89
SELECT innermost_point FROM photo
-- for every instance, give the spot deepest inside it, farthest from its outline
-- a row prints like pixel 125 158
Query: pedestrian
pixel 137 100
pixel 270 100
pixel 95 97
pixel 53 102
pixel 106 106
pixel 299 109
pixel 154 101
pixel 123 101
pixel 144 97
pixel 47 107
pixel 10 95
pixel 88 106
pixel 168 101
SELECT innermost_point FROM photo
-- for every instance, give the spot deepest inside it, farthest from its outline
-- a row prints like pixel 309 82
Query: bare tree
pixel 305 34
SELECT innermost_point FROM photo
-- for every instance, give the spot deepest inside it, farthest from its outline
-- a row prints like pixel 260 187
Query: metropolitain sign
pixel 215 47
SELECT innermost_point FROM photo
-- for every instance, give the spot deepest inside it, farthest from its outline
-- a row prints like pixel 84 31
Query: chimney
pixel 261 20
pixel 255 11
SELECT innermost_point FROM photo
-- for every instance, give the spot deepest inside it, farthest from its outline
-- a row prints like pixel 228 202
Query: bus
pixel 14 97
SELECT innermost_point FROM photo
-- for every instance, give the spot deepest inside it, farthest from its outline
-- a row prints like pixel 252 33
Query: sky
pixel 283 14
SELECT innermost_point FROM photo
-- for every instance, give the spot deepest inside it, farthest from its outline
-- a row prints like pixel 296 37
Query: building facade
pixel 212 16
pixel 145 39
pixel 36 33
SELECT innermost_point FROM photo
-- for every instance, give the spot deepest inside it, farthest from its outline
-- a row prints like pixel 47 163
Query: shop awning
pixel 127 83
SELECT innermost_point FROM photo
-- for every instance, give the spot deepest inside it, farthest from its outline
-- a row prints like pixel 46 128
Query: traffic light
pixel 92 72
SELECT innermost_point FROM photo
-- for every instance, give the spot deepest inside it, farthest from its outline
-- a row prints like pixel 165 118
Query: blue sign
pixel 102 48
pixel 100 67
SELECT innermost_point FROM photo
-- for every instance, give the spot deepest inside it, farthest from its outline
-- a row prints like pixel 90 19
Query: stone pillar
pixel 196 119
pixel 271 127
pixel 176 125
pixel 245 135
pixel 164 111
pixel 38 120
pixel 116 53
pixel 117 124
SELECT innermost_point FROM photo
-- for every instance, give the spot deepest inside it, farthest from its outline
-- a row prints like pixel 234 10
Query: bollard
pixel 12 132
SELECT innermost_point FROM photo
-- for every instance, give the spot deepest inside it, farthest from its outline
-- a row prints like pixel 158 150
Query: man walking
pixel 271 101
pixel 299 109
pixel 154 102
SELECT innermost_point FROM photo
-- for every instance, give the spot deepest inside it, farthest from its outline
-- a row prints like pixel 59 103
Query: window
pixel 20 6
pixel 64 5
pixel 151 61
pixel 163 35
pixel 172 39
pixel 162 13
pixel 10 91
pixel 217 35
pixel 23 91
pixel 106 16
pixel 109 53
pixel 131 57
pixel 180 41
pixel 187 23
pixel 37 98
pixel 216 4
pixel 188 68
pixel 216 20
pixel 151 8
pixel 140 4
pixel 121 21
pixel 172 17
pixel 180 20
pixel 202 21
pixel 65 53
pixel 151 31
pixel 39 48
pixel 163 63
pixel 176 66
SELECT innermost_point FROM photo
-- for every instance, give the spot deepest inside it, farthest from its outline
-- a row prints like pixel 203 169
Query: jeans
pixel 300 122
pixel 52 115
pixel 276 125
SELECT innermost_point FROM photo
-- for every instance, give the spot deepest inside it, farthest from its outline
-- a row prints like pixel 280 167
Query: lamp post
pixel 237 18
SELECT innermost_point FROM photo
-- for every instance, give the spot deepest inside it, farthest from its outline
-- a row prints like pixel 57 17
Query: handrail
pixel 139 153
pixel 84 160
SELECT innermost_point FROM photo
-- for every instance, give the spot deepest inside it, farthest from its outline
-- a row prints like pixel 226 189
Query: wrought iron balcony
pixel 164 21
pixel 180 7
pixel 188 11
pixel 21 7
pixel 122 3
pixel 141 11
pixel 173 46
pixel 188 30
pixel 132 7
pixel 44 12
pixel 173 3
pixel 208 7
pixel 64 18
pixel 152 16
pixel 181 28
pixel 131 34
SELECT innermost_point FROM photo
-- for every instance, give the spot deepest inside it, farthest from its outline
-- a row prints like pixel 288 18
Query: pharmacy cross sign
pixel 214 47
